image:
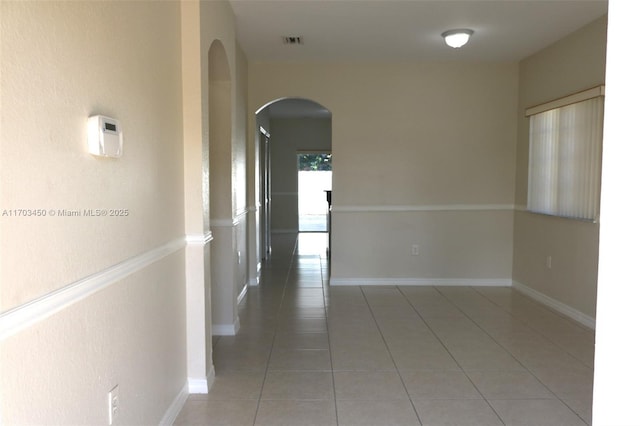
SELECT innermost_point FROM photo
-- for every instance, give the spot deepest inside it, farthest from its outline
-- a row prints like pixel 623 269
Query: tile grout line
pixel 492 319
pixel 507 350
pixel 527 324
pixel 450 354
pixel 510 353
pixel 326 319
pixel 279 309
pixel 415 411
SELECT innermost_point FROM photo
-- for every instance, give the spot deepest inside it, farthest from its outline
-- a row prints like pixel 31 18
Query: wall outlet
pixel 548 262
pixel 415 250
pixel 239 257
pixel 114 404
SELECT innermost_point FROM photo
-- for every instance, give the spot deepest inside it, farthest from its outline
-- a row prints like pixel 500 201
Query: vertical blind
pixel 565 146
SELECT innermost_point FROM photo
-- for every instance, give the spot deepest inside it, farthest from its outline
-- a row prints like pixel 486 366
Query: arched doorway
pixel 285 128
pixel 221 214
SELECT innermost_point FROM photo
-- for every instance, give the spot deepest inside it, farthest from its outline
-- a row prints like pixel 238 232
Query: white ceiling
pixel 400 30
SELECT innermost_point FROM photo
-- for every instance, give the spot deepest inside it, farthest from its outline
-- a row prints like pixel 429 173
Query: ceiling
pixel 298 108
pixel 401 30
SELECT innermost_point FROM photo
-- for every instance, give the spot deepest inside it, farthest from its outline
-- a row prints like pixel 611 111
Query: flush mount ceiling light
pixel 457 38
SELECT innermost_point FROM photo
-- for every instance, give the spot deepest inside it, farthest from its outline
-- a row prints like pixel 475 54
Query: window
pixel 314 180
pixel 565 146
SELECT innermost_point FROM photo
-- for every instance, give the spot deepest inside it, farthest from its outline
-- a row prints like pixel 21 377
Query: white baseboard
pixel 225 329
pixel 256 281
pixel 445 282
pixel 201 385
pixel 243 293
pixel 560 307
pixel 172 412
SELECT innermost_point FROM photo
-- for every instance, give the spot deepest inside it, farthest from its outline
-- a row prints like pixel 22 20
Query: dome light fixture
pixel 457 38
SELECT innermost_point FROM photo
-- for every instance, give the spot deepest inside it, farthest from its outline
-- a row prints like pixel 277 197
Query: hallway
pixel 307 354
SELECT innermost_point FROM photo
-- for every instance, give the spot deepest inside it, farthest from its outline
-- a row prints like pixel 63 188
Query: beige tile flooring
pixel 310 354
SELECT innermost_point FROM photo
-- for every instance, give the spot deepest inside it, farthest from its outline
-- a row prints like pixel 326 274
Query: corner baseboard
pixel 172 412
pixel 556 305
pixel 444 282
pixel 201 385
pixel 225 329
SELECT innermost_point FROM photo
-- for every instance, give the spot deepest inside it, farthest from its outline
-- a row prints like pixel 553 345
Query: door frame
pixel 265 194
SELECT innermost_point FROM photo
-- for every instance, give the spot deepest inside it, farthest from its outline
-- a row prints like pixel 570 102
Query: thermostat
pixel 104 136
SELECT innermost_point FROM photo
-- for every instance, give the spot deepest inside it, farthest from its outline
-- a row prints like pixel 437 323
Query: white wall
pixel 615 384
pixel 572 64
pixel 409 141
pixel 121 319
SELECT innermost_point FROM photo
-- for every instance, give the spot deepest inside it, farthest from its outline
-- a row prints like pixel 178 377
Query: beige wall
pixel 424 154
pixel 221 163
pixel 54 77
pixel 574 63
pixel 62 62
pixel 242 210
pixel 409 140
pixel 288 136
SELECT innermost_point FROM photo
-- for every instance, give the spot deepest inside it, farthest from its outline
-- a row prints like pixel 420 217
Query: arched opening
pixel 286 129
pixel 223 253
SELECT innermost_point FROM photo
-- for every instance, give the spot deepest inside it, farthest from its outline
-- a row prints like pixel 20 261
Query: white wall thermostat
pixel 104 136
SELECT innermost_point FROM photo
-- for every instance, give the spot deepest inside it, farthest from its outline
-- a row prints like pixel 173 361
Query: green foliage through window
pixel 314 162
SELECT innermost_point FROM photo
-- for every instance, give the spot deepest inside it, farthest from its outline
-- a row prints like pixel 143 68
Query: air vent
pixel 292 40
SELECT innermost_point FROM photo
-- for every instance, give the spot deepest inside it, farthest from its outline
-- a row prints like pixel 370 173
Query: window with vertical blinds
pixel 565 146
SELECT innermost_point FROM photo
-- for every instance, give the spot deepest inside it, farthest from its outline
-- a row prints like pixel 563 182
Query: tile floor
pixel 309 354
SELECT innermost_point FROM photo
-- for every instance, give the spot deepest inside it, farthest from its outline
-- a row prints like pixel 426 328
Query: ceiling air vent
pixel 292 40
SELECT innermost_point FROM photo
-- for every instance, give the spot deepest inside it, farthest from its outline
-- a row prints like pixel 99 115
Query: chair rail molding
pixel 27 314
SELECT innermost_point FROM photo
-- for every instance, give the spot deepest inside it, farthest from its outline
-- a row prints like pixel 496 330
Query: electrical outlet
pixel 114 404
pixel 239 257
pixel 548 262
pixel 415 250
